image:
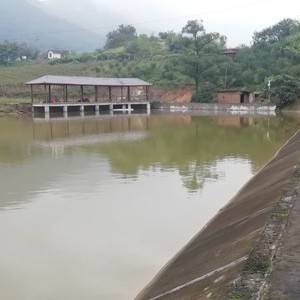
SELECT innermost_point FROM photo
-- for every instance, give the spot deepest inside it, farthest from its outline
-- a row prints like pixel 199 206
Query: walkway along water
pixel 233 256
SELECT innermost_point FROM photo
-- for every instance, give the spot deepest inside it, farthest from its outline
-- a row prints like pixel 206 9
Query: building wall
pixel 229 97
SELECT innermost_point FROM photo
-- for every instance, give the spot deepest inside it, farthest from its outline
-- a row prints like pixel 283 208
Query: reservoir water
pixel 93 207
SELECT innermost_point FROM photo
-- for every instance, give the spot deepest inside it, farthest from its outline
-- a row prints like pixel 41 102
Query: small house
pixel 234 97
pixel 54 54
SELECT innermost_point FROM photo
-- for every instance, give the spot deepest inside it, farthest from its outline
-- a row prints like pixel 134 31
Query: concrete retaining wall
pixel 211 107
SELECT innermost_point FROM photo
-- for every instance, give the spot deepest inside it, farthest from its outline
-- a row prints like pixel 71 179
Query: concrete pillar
pixel 81 108
pixel 148 106
pixel 47 109
pixel 65 109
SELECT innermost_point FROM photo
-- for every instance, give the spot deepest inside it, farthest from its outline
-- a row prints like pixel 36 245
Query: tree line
pixel 12 51
pixel 270 66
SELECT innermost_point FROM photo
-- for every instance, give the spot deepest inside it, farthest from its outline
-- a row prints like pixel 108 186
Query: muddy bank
pixel 232 256
pixel 15 109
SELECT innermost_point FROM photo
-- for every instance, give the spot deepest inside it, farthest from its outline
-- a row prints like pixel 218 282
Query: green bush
pixel 284 89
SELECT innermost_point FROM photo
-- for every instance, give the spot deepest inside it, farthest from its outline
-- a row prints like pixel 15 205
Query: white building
pixel 54 54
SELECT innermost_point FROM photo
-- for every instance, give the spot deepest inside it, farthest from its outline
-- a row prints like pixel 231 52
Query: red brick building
pixel 233 97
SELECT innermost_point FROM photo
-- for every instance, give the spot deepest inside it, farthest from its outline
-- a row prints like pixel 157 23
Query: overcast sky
pixel 236 19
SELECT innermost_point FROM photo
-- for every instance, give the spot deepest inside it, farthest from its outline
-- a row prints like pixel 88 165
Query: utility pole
pixel 269 88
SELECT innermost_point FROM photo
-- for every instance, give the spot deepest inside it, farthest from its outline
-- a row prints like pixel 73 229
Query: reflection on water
pixel 92 208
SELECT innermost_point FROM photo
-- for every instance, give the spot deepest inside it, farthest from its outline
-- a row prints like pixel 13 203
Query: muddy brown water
pixel 93 207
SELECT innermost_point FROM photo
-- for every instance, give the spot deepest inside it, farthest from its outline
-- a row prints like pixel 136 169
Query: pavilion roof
pixel 87 81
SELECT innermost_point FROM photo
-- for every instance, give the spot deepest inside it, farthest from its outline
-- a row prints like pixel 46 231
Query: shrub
pixel 284 89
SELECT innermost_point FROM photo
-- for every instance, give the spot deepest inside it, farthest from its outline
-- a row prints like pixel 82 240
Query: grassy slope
pixel 25 71
pixel 14 77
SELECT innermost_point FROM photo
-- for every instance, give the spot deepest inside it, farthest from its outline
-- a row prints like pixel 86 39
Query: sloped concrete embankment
pixel 231 256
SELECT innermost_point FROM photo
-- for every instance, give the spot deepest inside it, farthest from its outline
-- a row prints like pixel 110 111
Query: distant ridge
pixel 23 22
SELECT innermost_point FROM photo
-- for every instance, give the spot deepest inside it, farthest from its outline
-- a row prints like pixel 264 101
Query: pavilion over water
pixel 54 92
pixel 124 85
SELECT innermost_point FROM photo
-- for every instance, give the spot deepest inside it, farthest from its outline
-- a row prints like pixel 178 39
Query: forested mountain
pixel 23 22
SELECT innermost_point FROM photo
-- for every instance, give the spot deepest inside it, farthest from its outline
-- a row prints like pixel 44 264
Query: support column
pixel 122 94
pixel 31 91
pixel 128 94
pixel 147 93
pixel 81 92
pixel 46 94
pixel 49 92
pixel 109 93
pixel 96 94
pixel 66 93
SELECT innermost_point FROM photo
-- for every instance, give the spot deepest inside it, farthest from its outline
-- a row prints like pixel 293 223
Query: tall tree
pixel 9 51
pixel 120 37
pixel 202 50
pixel 277 32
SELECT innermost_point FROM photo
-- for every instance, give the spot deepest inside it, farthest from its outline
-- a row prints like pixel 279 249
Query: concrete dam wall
pixel 232 254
